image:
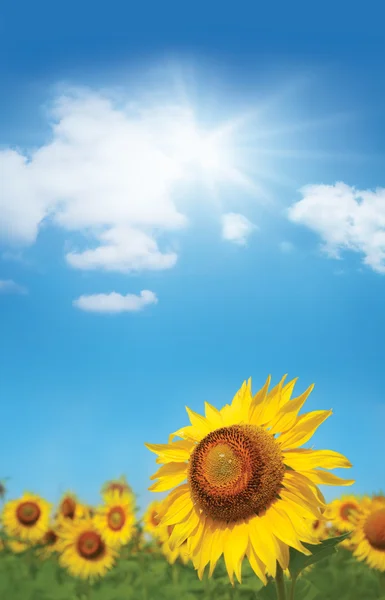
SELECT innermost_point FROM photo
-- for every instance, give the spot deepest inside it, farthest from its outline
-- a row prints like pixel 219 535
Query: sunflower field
pixel 244 518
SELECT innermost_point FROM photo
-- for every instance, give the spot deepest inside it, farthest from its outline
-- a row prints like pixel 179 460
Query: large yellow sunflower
pixel 82 550
pixel 341 510
pixel 369 534
pixel 250 489
pixel 26 518
pixel 116 519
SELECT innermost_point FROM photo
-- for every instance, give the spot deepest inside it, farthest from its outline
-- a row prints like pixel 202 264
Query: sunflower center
pixel 90 545
pixel 346 510
pixel 50 538
pixel 28 513
pixel 235 472
pixel 116 518
pixel 374 529
pixel 117 487
pixel 68 507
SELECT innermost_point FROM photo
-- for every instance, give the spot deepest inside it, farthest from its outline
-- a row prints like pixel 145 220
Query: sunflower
pixel 341 511
pixel 138 540
pixel 250 489
pixel 151 519
pixel 70 508
pixel 49 543
pixel 116 520
pixel 379 498
pixel 26 518
pixel 369 534
pixel 320 529
pixel 17 547
pixel 82 550
pixel 119 485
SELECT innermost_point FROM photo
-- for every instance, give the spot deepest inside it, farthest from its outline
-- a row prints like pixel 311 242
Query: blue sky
pixel 226 172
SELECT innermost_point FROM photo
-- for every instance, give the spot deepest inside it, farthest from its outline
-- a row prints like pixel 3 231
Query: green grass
pixel 148 577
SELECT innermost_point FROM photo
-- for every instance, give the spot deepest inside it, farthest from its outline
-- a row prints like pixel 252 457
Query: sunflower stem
pixel 280 583
pixel 381 577
pixel 292 588
pixel 144 576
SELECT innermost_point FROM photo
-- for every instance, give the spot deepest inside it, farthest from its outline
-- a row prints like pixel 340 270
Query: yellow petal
pixel 218 542
pixel 213 416
pixel 178 510
pixel 170 469
pixel 287 391
pixel 194 543
pixel 300 505
pixel 238 399
pixel 325 478
pixel 183 530
pixel 302 487
pixel 302 527
pixel 177 451
pixel 188 433
pixel 284 556
pixel 227 415
pixel 239 408
pixel 264 543
pixel 268 409
pixel 167 483
pixel 309 459
pixel 283 529
pixel 200 423
pixel 304 428
pixel 256 564
pixel 287 415
pixel 205 550
pixel 235 549
pixel 260 396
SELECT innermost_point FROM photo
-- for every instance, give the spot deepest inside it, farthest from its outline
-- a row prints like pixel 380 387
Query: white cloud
pixel 124 250
pixel 345 219
pixel 104 173
pixel 8 286
pixel 286 247
pixel 112 172
pixel 115 303
pixel 236 228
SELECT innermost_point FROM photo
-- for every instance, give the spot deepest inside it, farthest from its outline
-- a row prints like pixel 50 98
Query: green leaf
pixel 306 589
pixel 299 562
pixel 268 592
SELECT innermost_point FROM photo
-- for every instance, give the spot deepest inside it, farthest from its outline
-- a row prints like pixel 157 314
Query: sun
pixel 213 156
pixel 241 485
